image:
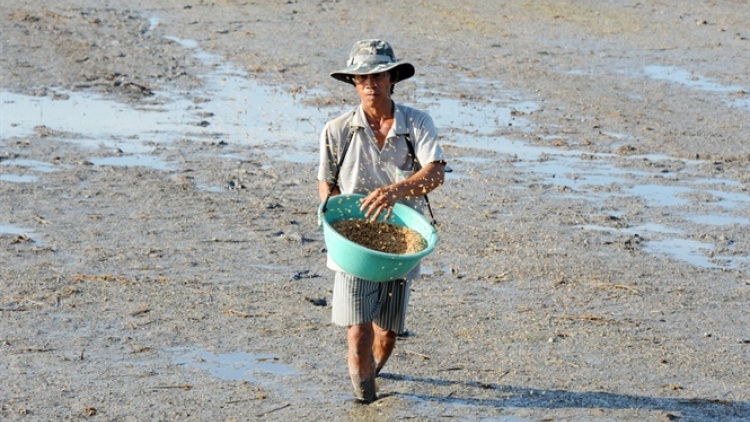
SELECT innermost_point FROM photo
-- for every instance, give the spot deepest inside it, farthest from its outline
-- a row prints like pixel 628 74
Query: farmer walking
pixel 390 153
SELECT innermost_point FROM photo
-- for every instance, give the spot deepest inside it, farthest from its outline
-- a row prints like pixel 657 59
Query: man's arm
pixel 323 188
pixel 421 183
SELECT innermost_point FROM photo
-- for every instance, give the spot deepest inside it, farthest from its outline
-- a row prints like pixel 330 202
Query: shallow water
pixel 133 161
pixel 693 81
pixel 13 229
pixel 235 109
pixel 684 249
pixel 33 165
pixel 16 178
pixel 237 366
pixel 719 220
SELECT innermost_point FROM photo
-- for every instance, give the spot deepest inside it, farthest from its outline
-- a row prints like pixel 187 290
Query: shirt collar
pixel 399 127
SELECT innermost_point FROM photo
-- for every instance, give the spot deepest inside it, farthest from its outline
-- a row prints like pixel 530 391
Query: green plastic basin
pixel 367 263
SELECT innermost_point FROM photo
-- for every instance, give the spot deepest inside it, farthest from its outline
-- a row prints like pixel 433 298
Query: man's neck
pixel 382 111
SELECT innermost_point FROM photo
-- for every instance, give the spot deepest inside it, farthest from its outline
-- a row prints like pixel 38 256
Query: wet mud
pixel 160 254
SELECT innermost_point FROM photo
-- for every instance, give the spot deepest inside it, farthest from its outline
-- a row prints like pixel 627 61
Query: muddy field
pixel 160 257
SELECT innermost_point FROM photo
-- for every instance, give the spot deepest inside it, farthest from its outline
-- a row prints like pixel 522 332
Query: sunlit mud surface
pixel 161 258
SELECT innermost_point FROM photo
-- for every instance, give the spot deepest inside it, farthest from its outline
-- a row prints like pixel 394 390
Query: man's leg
pixel 360 339
pixel 382 346
pixel 391 320
pixel 356 300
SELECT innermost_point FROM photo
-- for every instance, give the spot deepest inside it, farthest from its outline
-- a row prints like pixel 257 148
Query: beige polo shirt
pixel 366 167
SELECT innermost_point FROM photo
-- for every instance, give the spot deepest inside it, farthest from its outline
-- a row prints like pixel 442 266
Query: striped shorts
pixel 357 301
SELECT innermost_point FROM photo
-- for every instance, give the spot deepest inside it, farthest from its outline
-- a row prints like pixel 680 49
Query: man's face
pixel 374 89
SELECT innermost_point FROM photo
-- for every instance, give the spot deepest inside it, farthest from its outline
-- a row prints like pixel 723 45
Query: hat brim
pixel 405 71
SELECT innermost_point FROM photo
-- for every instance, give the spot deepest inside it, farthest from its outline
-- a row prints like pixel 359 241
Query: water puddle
pixel 730 200
pixel 669 242
pixel 233 108
pixel 474 118
pixel 518 150
pixel 90 115
pixel 661 196
pixel 293 156
pixel 666 196
pixel 15 178
pixel 15 230
pixel 253 113
pixel 567 168
pixel 133 161
pixel 692 251
pixel 153 22
pixel 33 165
pixel 236 366
pixel 27 165
pixel 719 220
pixel 577 174
pixel 643 228
pixel 208 188
pixel 683 77
pixel 717 182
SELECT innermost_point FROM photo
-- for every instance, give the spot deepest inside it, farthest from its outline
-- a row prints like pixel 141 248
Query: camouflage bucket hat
pixel 373 56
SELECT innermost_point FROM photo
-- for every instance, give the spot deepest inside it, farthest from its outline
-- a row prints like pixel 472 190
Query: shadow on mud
pixel 518 397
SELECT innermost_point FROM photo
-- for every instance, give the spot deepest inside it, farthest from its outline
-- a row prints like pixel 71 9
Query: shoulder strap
pixel 341 161
pixel 416 168
pixel 413 154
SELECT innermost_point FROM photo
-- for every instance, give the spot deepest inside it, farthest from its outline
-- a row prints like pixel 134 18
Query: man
pixel 373 141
